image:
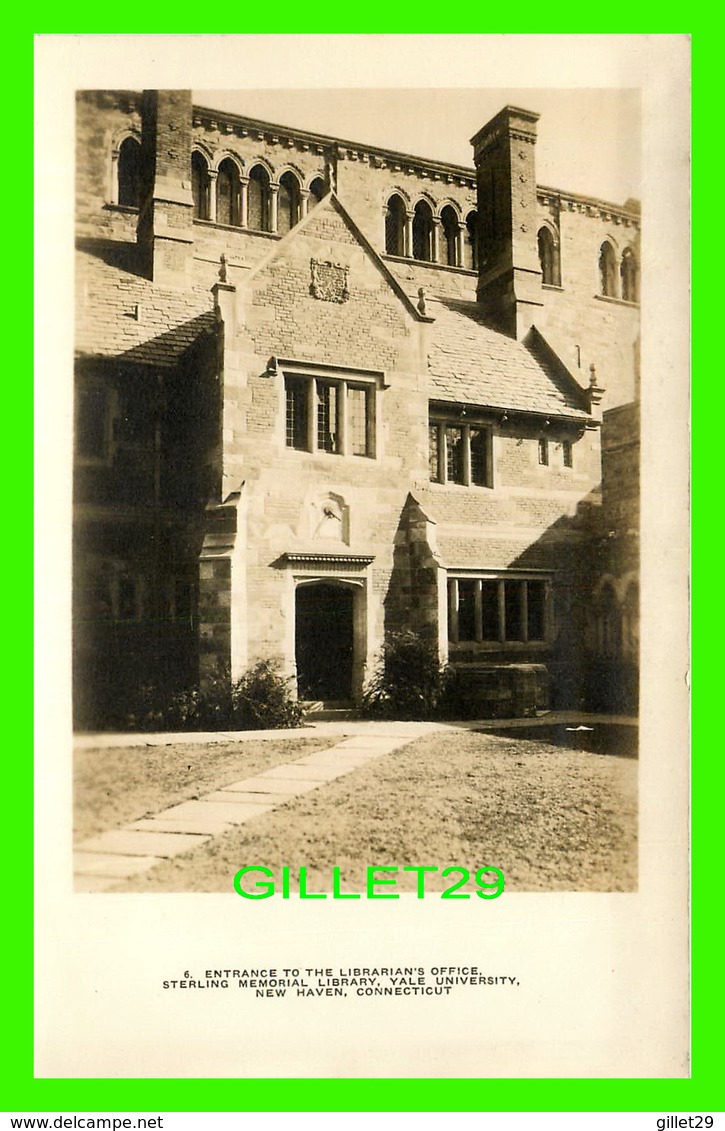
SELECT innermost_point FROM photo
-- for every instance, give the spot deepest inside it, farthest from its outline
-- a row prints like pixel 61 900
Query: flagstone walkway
pixel 105 860
pixel 102 861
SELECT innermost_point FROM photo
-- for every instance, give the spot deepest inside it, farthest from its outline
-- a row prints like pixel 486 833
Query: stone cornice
pixel 589 206
pixel 322 557
pixel 339 148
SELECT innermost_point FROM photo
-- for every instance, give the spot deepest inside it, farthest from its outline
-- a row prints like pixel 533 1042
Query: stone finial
pixel 421 300
pixel 595 392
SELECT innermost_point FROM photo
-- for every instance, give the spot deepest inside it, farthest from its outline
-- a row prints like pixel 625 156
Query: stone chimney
pixel 509 272
pixel 165 234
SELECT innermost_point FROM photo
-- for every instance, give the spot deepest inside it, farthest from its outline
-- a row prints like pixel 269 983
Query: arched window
pixel 470 257
pixel 449 231
pixel 200 185
pixel 423 232
pixel 227 193
pixel 317 191
pixel 607 270
pixel 288 210
pixel 628 273
pixel 395 226
pixel 258 208
pixel 548 258
pixel 129 173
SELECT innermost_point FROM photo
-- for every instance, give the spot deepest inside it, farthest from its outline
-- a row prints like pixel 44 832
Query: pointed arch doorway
pixel 324 640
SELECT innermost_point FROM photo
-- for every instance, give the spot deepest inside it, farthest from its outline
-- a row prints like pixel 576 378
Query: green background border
pixel 26 1094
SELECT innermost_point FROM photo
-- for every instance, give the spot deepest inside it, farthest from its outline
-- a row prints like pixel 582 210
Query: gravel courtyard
pixel 553 817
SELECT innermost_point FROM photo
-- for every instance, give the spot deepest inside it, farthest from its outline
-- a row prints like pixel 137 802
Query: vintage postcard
pixel 363 422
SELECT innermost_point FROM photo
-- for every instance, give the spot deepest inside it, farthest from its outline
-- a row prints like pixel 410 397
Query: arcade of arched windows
pixel 252 199
pixel 224 193
pixel 618 276
pixel 439 236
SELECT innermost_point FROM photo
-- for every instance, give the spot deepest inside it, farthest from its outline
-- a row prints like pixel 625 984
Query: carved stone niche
pixel 328 519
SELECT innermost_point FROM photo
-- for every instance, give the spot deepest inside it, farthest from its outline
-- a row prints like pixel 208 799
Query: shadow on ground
pixel 613 739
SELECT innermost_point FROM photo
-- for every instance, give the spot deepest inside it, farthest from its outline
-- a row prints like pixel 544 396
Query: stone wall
pixel 613 631
pixel 583 326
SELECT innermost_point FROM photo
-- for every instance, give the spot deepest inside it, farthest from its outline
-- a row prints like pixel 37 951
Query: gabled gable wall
pixel 373 334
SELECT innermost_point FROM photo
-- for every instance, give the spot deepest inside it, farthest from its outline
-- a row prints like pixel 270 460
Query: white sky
pixel 588 139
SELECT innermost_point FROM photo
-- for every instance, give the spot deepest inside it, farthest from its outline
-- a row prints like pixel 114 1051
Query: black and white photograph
pixel 357 401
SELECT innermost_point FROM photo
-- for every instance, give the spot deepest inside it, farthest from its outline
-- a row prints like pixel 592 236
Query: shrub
pixel 407 681
pixel 262 698
pixel 202 708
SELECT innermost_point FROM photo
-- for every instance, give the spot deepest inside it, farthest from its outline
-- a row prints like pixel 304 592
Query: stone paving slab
pixel 240 798
pixel 344 759
pixel 213 811
pixel 207 824
pixel 100 864
pixel 131 842
pixel 294 770
pixel 391 729
pixel 287 786
pixel 330 770
pixel 197 827
pixel 380 744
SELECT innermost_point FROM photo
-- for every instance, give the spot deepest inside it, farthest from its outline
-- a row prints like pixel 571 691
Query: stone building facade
pixel 613 632
pixel 326 392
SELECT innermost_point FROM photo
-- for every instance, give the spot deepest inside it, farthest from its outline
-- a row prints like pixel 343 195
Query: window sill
pixel 236 228
pixel 319 454
pixel 436 485
pixel 552 287
pixel 125 209
pixel 410 260
pixel 615 300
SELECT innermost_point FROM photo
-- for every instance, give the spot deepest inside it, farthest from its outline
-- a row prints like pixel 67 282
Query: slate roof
pixel 124 316
pixel 470 363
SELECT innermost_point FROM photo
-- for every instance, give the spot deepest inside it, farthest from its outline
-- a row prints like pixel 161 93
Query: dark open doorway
pixel 324 641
